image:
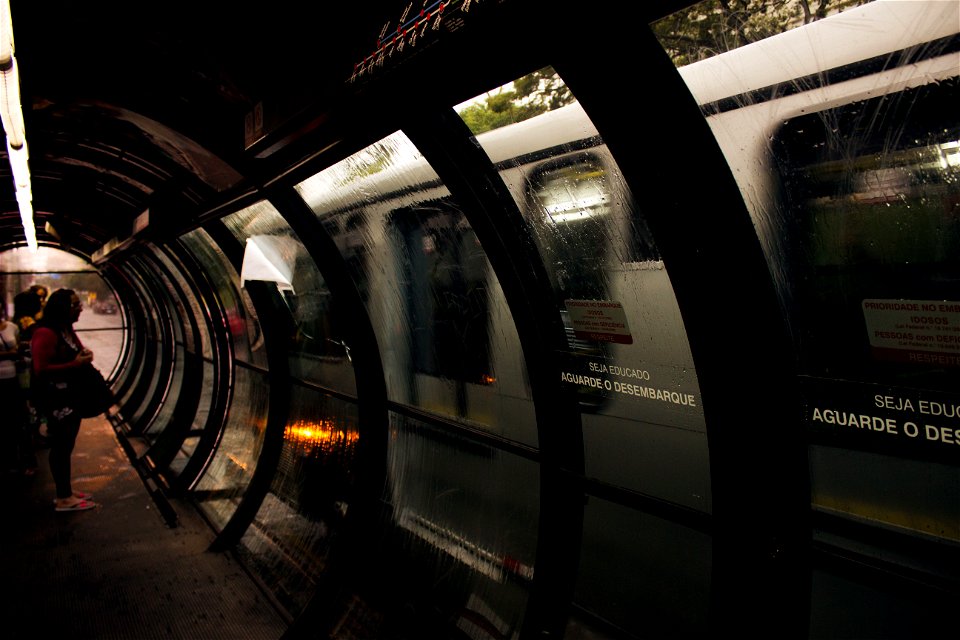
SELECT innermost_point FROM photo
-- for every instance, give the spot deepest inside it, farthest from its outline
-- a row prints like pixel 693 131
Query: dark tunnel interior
pixel 512 319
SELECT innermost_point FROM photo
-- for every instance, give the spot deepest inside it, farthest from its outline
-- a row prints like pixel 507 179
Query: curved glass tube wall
pixel 169 386
pixel 274 254
pixel 450 349
pixel 861 240
pixel 180 403
pixel 627 360
pixel 194 359
pixel 150 379
pixel 849 170
pixel 229 471
pixel 448 342
pixel 300 520
pixel 312 490
pixel 242 323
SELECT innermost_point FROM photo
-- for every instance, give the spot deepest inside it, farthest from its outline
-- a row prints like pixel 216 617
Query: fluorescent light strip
pixel 6 35
pixel 11 114
pixel 10 110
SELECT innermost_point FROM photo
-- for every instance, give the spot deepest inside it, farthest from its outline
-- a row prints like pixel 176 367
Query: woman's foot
pixel 77 495
pixel 73 504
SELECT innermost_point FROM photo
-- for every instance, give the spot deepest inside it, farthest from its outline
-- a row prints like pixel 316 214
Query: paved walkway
pixel 118 571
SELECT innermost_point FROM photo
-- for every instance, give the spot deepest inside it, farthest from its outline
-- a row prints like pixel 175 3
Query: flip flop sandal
pixel 83 505
pixel 79 495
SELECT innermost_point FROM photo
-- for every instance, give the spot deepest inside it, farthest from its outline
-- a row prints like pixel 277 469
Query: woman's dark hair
pixel 58 313
pixel 25 304
pixel 36 290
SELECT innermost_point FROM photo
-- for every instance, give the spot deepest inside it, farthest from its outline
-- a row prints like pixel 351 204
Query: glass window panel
pixel 660 566
pixel 710 28
pixel 289 541
pixel 524 98
pixel 169 401
pixel 143 331
pixel 179 462
pixel 151 330
pixel 242 322
pixel 206 396
pixel 196 305
pixel 846 606
pixel 474 509
pixel 184 305
pixel 154 377
pixel 850 171
pixel 873 486
pixel 169 386
pixel 200 417
pixel 317 349
pixel 446 337
pixel 223 484
pixel 628 358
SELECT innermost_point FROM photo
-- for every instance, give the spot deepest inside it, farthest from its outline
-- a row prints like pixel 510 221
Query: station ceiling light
pixel 11 113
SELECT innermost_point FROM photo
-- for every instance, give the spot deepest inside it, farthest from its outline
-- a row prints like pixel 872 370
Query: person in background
pixel 26 310
pixel 55 348
pixel 18 451
pixel 41 292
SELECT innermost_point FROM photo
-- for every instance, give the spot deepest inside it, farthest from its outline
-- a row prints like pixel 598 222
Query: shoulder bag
pixel 78 389
pixel 89 393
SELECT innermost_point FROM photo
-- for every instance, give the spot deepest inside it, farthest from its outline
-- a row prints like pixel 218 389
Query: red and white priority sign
pixel 918 331
pixel 599 320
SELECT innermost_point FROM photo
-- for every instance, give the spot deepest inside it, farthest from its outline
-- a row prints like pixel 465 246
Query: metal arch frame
pixel 159 255
pixel 470 175
pixel 163 358
pixel 466 170
pixel 364 350
pixel 760 524
pixel 221 363
pixel 351 558
pixel 759 474
pixel 473 179
pixel 478 186
pixel 187 400
pixel 139 380
pixel 279 371
pixel 770 550
pixel 136 352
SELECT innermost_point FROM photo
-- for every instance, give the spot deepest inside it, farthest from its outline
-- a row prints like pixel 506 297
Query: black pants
pixel 62 436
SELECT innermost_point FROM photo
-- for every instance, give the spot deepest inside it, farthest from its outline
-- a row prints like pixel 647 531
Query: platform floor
pixel 118 571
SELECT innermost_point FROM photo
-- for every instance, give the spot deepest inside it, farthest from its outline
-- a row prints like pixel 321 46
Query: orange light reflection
pixel 324 435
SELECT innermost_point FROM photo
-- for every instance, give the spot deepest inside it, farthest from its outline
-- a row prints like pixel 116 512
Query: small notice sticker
pixel 921 331
pixel 599 320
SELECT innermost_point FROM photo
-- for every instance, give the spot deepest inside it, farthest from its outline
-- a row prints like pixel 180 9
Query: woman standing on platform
pixel 56 349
